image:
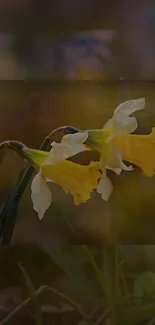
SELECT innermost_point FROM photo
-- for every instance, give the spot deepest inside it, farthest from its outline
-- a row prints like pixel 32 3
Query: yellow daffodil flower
pixel 77 179
pixel 139 150
pixel 111 153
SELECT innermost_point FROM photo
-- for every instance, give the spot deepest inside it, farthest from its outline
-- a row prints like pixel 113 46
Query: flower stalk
pixel 8 212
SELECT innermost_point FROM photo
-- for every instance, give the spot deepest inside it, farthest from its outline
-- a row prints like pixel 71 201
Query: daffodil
pixel 111 153
pixel 77 179
pixel 139 150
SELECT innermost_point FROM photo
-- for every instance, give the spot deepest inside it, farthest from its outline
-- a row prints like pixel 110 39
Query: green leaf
pixel 81 254
pixel 111 273
pixel 144 285
pixel 68 263
pixel 32 293
pixel 95 267
pixel 136 314
pixel 72 303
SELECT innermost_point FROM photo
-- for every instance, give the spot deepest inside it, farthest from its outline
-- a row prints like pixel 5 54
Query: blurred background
pixel 76 40
pixel 72 63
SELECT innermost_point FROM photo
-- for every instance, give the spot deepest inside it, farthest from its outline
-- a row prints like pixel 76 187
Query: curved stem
pixel 8 212
pixel 46 145
pixel 61 131
pixel 13 145
pixel 22 305
pixel 73 304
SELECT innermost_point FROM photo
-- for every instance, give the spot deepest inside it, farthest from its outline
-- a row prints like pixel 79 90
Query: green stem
pixel 21 306
pixel 95 267
pixel 8 211
pixel 125 287
pixel 7 217
pixel 72 303
pixel 111 277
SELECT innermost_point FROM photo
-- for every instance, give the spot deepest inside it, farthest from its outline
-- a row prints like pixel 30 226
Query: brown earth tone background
pixel 29 111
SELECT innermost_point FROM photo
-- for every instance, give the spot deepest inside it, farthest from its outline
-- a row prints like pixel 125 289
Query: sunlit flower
pixel 111 155
pixel 77 179
pixel 139 150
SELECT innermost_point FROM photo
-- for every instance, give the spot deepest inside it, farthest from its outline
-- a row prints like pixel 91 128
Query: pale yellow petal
pixel 121 163
pixel 76 138
pixel 105 187
pixel 56 154
pixel 111 157
pixel 121 122
pixel 71 145
pixel 129 107
pixel 122 126
pixel 41 195
pixel 117 171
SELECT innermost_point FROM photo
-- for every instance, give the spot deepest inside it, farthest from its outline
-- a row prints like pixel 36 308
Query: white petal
pixel 117 171
pixel 114 162
pixel 74 150
pixel 121 122
pixel 122 165
pixel 125 167
pixel 61 152
pixel 105 188
pixel 125 125
pixel 70 145
pixel 76 138
pixel 126 109
pixel 130 106
pixel 56 154
pixel 49 180
pixel 53 144
pixel 41 195
pixel 108 123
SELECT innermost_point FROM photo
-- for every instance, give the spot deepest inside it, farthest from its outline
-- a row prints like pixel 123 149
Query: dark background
pixel 72 62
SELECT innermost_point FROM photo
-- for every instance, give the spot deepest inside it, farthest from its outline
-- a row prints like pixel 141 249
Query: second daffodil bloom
pixel 52 166
pixel 139 150
pixel 111 152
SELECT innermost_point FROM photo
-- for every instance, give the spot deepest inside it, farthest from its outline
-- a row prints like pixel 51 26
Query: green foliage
pixel 68 262
pixel 101 291
pixel 144 286
pixel 32 293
